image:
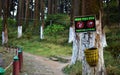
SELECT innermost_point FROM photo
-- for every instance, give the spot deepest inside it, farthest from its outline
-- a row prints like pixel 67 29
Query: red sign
pixel 80 25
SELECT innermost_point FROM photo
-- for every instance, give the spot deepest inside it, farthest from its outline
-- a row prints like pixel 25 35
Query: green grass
pixel 75 69
pixel 46 47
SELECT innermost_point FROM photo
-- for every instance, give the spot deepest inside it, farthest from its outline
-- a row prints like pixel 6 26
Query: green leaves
pixel 54 29
pixel 62 19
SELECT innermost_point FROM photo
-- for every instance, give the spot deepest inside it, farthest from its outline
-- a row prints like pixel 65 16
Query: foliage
pixel 54 29
pixel 112 11
pixel 113 39
pixel 11 22
pixel 112 65
pixel 62 19
pixel 112 52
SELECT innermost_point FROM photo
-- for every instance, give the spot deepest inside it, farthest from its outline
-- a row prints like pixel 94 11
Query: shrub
pixel 11 22
pixel 54 29
pixel 62 19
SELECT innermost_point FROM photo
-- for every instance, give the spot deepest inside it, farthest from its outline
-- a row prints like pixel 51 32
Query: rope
pixel 11 61
pixel 9 66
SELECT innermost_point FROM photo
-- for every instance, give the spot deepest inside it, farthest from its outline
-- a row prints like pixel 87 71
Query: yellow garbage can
pixel 91 55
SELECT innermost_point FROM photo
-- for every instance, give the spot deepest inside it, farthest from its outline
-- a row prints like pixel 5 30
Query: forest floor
pixel 37 65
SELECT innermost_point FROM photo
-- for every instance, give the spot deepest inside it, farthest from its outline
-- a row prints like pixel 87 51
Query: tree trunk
pixel 119 4
pixel 27 14
pixel 0 8
pixel 86 40
pixel 5 16
pixel 49 6
pixel 52 6
pixel 42 19
pixel 55 6
pixel 36 13
pixel 31 9
pixel 20 18
pixel 76 53
pixel 92 39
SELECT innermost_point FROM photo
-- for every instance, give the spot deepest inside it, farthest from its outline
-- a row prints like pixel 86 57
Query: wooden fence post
pixel 16 66
pixel 20 56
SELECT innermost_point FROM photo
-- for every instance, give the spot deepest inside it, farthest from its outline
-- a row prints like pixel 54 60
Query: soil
pixel 37 65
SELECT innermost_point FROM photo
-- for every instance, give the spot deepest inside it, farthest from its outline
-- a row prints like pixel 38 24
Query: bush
pixel 12 22
pixel 112 65
pixel 114 48
pixel 113 39
pixel 62 19
pixel 54 29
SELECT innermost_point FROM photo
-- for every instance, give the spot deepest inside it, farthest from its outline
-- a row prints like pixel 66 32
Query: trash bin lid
pixel 16 58
pixel 2 70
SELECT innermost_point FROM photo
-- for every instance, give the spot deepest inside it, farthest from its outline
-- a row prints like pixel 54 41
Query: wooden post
pixel 16 66
pixel 20 56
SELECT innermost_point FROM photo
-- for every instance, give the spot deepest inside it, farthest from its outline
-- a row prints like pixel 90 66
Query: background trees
pixel 5 24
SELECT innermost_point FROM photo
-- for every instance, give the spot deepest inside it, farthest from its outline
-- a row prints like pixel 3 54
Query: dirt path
pixel 37 65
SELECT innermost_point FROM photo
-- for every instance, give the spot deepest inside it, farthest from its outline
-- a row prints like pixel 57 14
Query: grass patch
pixel 75 69
pixel 112 65
pixel 46 47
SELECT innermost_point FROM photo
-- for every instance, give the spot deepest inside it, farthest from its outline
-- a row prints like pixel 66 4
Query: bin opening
pixel 93 48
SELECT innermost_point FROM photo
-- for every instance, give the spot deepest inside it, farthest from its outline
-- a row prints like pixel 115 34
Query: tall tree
pixel 55 6
pixel 5 16
pixel 119 4
pixel 93 39
pixel 42 18
pixel 27 14
pixel 86 40
pixel 49 6
pixel 52 6
pixel 76 53
pixel 36 12
pixel 0 8
pixel 20 17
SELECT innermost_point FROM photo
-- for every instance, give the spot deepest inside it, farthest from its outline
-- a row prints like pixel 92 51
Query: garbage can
pixel 91 55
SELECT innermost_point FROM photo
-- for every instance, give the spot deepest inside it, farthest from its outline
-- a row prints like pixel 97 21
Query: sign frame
pixel 85 23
